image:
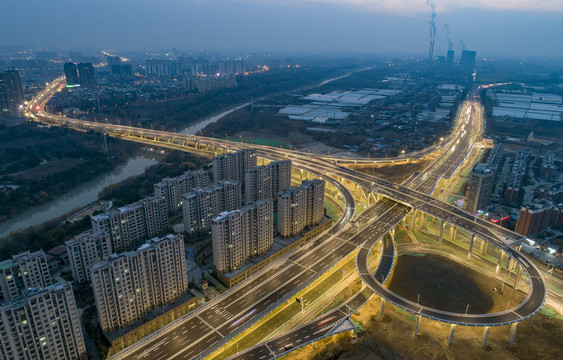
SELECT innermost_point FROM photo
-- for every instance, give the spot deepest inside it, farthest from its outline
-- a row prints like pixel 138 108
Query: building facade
pixel 299 208
pixel 87 75
pixel 266 182
pixel 232 166
pixel 481 183
pixel 42 324
pixel 25 271
pixel 71 74
pixel 172 189
pixel 130 225
pixel 85 250
pixel 242 234
pixel 128 285
pixel 11 93
pixel 535 218
pixel 201 205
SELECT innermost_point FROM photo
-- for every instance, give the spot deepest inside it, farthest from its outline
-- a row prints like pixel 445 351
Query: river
pixel 201 124
pixel 78 197
pixel 87 193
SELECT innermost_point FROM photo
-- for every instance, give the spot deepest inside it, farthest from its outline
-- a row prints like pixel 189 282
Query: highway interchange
pixel 208 324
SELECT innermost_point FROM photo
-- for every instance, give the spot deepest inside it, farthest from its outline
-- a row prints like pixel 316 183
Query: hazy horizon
pixel 504 29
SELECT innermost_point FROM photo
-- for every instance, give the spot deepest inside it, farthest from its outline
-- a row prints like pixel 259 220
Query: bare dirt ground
pixel 391 336
pixel 447 285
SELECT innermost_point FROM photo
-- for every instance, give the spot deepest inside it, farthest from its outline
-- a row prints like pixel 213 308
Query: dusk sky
pixel 494 28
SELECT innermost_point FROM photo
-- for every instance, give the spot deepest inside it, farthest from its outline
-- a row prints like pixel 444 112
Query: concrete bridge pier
pixel 382 309
pixel 485 336
pixel 415 334
pixel 499 265
pixel 518 277
pixel 512 334
pixel 484 245
pixel 413 219
pixel 508 265
pixel 451 337
pixel 392 232
pixel 441 231
pixel 471 246
pixel 453 231
pixel 531 321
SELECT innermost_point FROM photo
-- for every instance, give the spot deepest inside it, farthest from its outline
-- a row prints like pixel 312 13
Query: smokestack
pixel 431 51
pixel 450 44
pixel 432 28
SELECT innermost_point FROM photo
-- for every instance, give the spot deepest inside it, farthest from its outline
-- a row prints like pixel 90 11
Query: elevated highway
pixel 220 320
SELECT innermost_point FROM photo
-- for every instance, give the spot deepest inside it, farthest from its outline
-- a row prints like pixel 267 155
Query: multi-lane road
pixel 214 321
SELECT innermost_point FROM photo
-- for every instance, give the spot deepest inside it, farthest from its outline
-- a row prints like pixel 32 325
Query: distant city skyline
pixel 520 28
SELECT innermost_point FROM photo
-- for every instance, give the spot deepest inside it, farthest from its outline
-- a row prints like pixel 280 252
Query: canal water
pixel 78 197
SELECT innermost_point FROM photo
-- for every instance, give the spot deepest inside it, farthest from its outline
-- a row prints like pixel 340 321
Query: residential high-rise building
pixel 548 168
pixel 11 93
pixel 129 225
pixel 172 189
pixel 266 182
pixel 201 205
pixel 42 324
pixel 86 75
pixel 210 83
pixel 232 166
pixel 291 212
pixel 128 285
pixel 114 64
pixel 71 74
pixel 534 219
pixel 160 69
pixel 25 271
pixel 315 196
pixel 34 269
pixel 299 208
pixel 86 249
pixel 516 175
pixel 156 216
pixel 481 183
pixel 241 234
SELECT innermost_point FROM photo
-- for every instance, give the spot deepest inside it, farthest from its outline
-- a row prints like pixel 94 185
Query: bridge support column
pixel 453 230
pixel 392 232
pixel 483 247
pixel 451 337
pixel 471 247
pixel 381 310
pixel 441 231
pixel 531 321
pixel 512 334
pixel 485 336
pixel 413 219
pixel 416 326
pixel 518 277
pixel 499 265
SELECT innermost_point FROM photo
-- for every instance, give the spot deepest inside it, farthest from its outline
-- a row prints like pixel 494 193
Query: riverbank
pixel 79 196
pixel 56 231
pixel 40 164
